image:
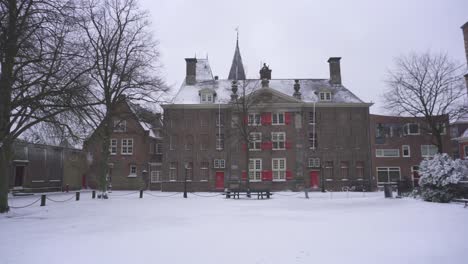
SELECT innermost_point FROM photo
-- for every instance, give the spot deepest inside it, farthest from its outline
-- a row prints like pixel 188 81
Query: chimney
pixel 335 72
pixel 465 37
pixel 265 72
pixel 191 73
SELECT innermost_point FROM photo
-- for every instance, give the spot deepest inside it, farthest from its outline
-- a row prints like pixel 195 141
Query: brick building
pixel 135 150
pixel 303 132
pixel 399 144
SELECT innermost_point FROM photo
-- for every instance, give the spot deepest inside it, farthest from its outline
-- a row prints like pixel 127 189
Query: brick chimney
pixel 335 72
pixel 191 72
pixel 465 37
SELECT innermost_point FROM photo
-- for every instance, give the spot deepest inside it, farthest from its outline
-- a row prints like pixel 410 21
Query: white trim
pixel 278 135
pixel 38 181
pixel 403 151
pixel 277 117
pixel 388 174
pixel 55 180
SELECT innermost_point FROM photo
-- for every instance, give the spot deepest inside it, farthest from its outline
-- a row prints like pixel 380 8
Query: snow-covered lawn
pixel 285 229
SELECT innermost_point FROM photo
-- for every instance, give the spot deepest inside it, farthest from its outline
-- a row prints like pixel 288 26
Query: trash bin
pixel 388 191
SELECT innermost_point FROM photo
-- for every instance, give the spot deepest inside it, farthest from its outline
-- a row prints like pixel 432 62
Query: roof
pixel 203 70
pixel 188 94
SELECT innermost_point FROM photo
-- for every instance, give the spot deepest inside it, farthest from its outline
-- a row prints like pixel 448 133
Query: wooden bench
pixel 462 201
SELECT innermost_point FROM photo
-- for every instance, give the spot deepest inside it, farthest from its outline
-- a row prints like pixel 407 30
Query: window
pixel 173 171
pixel 219 141
pixel 278 118
pixel 255 141
pixel 380 153
pixel 254 119
pixel 386 175
pixel 206 98
pixel 151 148
pixel 344 167
pixel 120 126
pixel 172 142
pixel 442 128
pixel 204 165
pixel 278 139
pixel 314 163
pixel 312 140
pixel 203 142
pixel 127 146
pixel 255 169
pixel 188 142
pixel 219 119
pixel 360 169
pixel 328 170
pixel 465 148
pixel 428 151
pixel 312 118
pixel 158 148
pixel 279 169
pixel 155 176
pixel 415 173
pixel 113 146
pixel 133 171
pixel 203 120
pixel 412 129
pixel 454 132
pixel 405 149
pixel 188 171
pixel 219 164
pixel 325 96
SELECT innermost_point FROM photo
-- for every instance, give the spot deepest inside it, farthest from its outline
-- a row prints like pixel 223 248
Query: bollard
pixel 43 198
pixel 77 196
pixel 94 194
pixel 141 194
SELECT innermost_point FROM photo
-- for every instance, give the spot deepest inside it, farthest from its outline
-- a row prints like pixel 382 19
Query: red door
pixel 220 180
pixel 314 179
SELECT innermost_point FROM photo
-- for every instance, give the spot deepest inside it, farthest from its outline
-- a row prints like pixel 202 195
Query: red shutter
pixel 266 145
pixel 264 175
pixel 244 175
pixel 288 144
pixel 263 146
pixel 263 119
pixel 270 175
pixel 246 119
pixel 287 118
pixel 289 175
pixel 268 118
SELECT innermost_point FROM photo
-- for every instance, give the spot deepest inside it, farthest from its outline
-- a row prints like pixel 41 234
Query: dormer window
pixel 325 96
pixel 207 97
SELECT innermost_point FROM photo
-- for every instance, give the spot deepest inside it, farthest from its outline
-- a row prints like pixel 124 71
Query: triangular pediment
pixel 270 96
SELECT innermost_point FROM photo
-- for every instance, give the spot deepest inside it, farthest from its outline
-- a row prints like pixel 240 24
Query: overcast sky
pixel 297 37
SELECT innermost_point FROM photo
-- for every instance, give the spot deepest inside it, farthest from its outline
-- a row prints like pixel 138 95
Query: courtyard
pixel 206 228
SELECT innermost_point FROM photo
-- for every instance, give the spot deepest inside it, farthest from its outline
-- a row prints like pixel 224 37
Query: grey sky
pixel 296 37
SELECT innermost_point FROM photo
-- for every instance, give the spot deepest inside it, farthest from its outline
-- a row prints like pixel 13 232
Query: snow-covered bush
pixel 440 177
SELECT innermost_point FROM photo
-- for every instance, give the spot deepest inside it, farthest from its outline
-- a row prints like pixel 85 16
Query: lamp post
pixel 146 178
pixel 185 180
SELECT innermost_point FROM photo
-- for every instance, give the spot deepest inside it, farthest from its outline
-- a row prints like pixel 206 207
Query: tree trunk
pixel 247 168
pixel 438 137
pixel 5 151
pixel 104 168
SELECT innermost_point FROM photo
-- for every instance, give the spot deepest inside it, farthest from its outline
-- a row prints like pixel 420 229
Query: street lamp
pixel 147 179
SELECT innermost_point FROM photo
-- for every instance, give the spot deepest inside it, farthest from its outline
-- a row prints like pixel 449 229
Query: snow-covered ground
pixel 286 229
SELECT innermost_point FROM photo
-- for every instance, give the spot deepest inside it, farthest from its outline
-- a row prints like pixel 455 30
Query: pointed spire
pixel 237 68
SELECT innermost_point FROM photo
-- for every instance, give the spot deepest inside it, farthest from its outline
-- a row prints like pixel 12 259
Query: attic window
pixel 206 97
pixel 325 96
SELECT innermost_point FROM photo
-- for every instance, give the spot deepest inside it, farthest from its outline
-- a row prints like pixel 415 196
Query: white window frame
pixel 204 167
pixel 255 170
pixel 387 169
pixel 113 147
pixel 173 171
pixel 325 96
pixel 219 163
pixel 156 176
pixel 314 163
pixel 120 126
pixel 408 130
pixel 278 166
pixel 171 143
pixel 386 153
pixel 255 141
pixel 135 169
pixel 278 138
pixel 254 119
pixel 277 116
pixel 219 141
pixel 425 151
pixel 403 151
pixel 206 97
pixel 127 146
pixel 159 148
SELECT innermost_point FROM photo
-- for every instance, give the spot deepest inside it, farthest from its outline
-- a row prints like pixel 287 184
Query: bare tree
pixel 42 74
pixel 429 86
pixel 124 57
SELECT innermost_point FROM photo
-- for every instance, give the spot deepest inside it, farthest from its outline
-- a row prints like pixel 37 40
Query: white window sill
pixel 255 180
pixel 344 179
pixel 278 124
pixel 279 180
pixel 279 149
pixel 255 150
pixel 127 154
pixel 328 179
pixel 132 176
pixel 172 180
pixel 203 180
pixel 113 154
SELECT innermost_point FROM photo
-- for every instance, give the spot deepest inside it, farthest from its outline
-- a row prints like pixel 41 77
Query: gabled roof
pixel 237 68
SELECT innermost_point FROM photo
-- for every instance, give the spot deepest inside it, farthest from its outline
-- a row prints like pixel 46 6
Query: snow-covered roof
pixel 147 127
pixel 462 119
pixel 203 70
pixel 189 94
